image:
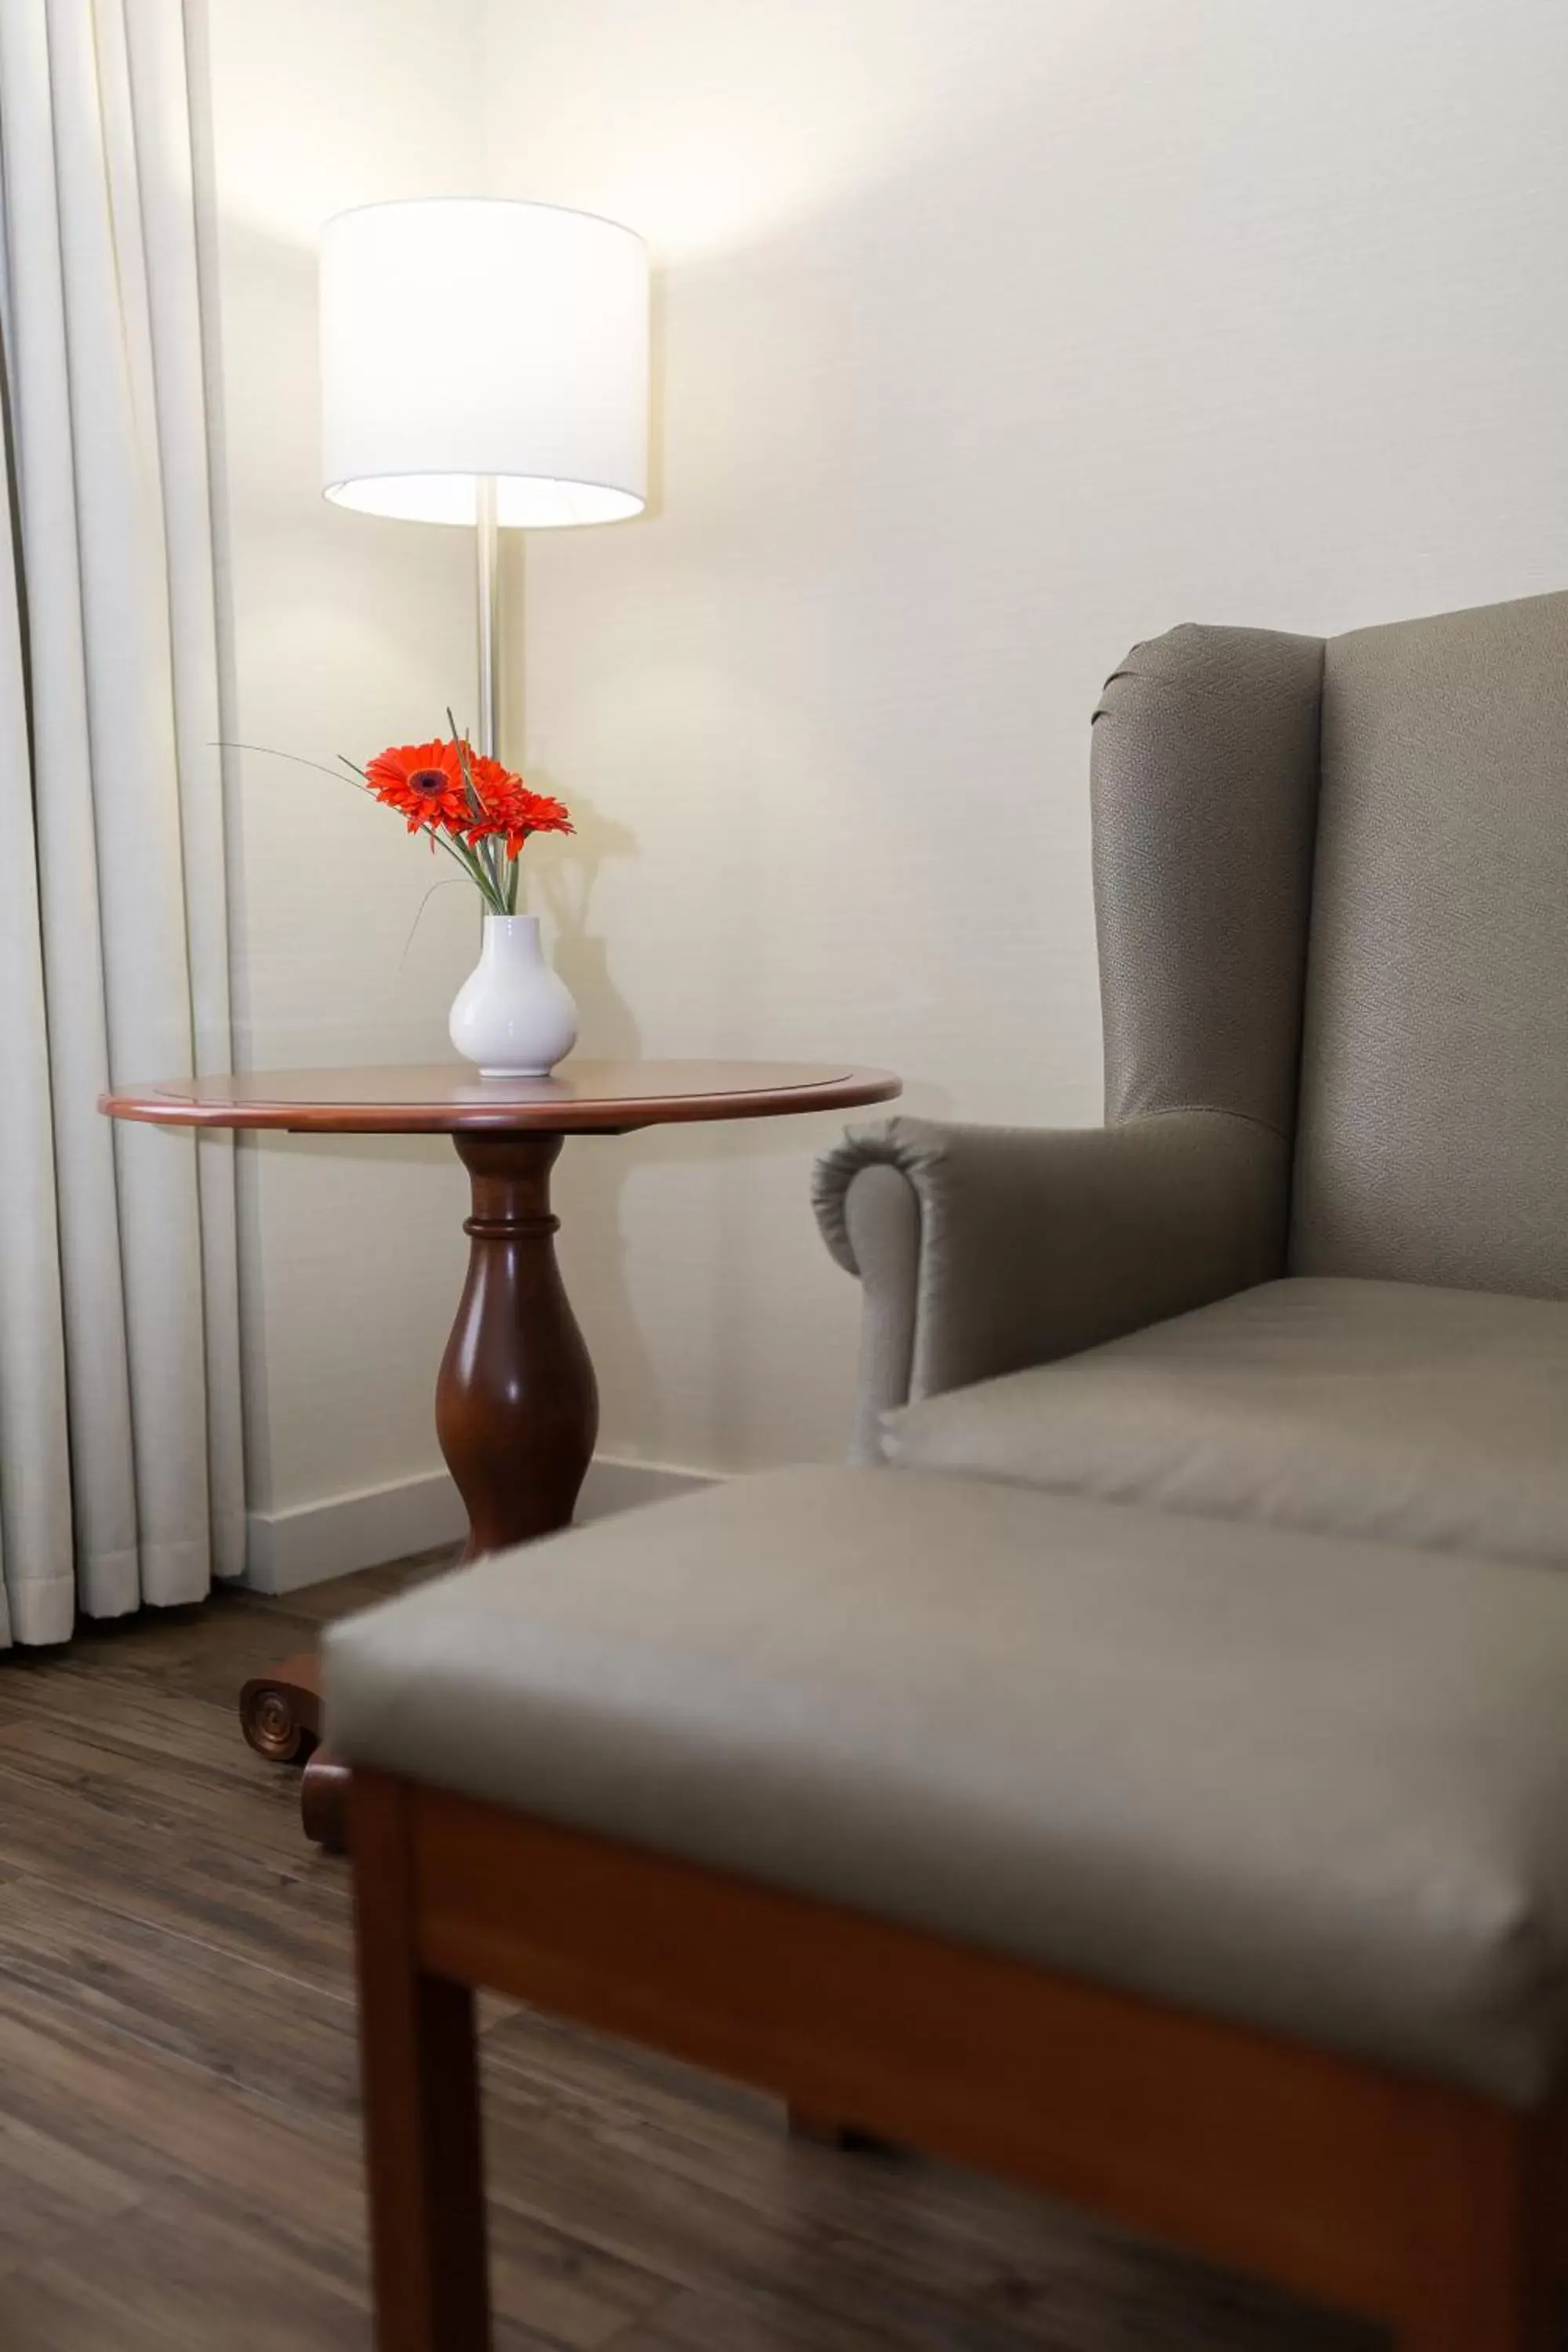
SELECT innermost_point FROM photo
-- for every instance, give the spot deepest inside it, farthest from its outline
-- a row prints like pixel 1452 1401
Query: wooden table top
pixel 446 1098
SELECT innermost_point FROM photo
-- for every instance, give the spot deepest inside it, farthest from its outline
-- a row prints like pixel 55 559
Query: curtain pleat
pixel 38 1584
pixel 103 340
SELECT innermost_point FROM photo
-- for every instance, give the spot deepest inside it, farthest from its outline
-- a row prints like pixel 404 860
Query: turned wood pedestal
pixel 516 1403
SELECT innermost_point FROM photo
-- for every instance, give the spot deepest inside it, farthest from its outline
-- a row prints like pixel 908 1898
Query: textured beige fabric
pixel 996 1248
pixel 876 1212
pixel 1430 1418
pixel 1319 1788
pixel 1204 778
pixel 1433 1120
pixel 121 1477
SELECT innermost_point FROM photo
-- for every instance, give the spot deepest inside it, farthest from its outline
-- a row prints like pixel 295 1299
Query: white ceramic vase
pixel 513 1015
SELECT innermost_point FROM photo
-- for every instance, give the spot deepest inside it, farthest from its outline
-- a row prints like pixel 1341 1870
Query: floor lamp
pixel 485 363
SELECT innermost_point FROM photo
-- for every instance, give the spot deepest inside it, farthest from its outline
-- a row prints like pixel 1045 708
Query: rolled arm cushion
pixel 985 1249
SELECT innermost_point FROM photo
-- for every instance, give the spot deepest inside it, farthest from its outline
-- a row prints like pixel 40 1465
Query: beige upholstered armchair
pixel 1312 1271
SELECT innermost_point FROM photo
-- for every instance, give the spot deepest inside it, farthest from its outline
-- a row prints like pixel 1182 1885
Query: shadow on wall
pixel 667 1230
pixel 589 1183
pixel 562 886
pixel 672 1241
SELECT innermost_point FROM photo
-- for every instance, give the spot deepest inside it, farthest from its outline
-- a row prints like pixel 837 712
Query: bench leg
pixel 830 2131
pixel 420 2074
pixel 1506 2329
pixel 1480 2272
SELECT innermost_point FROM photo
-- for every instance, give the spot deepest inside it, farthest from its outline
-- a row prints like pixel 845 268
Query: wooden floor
pixel 179 2158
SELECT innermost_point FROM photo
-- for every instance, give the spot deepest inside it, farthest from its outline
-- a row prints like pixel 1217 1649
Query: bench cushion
pixel 1316 1786
pixel 1381 1408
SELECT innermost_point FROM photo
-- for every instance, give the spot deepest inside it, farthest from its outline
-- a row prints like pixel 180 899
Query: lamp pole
pixel 488 548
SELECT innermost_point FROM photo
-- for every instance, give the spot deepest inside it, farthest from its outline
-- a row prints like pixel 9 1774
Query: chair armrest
pixel 984 1249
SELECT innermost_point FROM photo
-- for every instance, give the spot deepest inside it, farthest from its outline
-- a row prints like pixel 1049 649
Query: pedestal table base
pixel 516 1411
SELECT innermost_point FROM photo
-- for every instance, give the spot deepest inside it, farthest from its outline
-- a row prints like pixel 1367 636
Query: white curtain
pixel 120 1477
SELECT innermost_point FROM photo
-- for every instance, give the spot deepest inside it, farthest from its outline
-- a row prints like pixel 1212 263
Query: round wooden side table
pixel 516 1403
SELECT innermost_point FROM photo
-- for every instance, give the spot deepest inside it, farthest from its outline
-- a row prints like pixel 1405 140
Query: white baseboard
pixel 286 1550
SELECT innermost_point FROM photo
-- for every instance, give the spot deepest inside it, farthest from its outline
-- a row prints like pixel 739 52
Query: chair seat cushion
pixel 1433 1418
pixel 1315 1787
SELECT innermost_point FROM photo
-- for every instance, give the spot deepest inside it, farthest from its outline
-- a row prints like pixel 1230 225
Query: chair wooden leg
pixel 420 2076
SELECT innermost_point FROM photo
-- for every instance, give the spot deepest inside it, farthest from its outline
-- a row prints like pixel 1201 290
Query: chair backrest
pixel 1433 1127
pixel 1332 883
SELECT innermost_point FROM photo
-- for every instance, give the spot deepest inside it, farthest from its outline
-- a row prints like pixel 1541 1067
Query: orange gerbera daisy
pixel 512 810
pixel 478 811
pixel 425 781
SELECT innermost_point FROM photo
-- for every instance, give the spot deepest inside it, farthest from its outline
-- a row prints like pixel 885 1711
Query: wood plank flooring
pixel 179 2158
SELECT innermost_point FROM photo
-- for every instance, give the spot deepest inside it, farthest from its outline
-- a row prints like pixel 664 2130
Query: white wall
pixel 991 337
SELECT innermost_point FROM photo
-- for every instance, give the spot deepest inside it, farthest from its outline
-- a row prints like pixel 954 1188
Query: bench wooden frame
pixel 1432 2208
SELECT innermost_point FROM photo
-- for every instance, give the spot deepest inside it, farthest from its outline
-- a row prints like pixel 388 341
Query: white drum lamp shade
pixel 467 337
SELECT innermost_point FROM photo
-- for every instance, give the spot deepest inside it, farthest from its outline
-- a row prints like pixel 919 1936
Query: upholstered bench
pixel 1212 1875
